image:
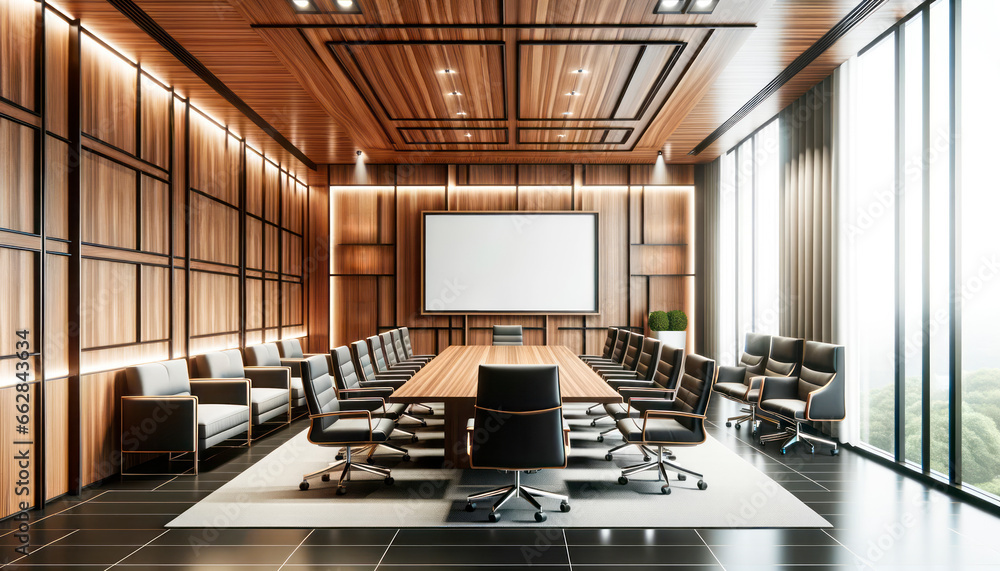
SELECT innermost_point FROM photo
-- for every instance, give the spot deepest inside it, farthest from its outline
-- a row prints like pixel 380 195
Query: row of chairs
pixel 665 396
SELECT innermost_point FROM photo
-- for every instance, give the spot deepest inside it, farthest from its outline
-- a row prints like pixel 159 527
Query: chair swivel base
pixel 346 465
pixel 662 465
pixel 793 435
pixel 517 491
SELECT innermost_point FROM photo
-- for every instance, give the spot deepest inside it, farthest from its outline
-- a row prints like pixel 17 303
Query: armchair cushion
pixel 733 390
pixel 166 378
pixel 349 429
pixel 789 408
pixel 658 429
pixel 778 388
pixel 731 375
pixel 214 419
pixel 220 364
pixel 264 401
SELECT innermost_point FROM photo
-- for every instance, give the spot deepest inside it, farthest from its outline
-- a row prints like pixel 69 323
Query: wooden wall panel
pixel 409 203
pixel 291 304
pixel 486 175
pixel 291 254
pixel 214 304
pixel 358 211
pixel 362 174
pixel 180 327
pixel 100 426
pixel 254 243
pixel 155 303
pixel 56 437
pixel 272 187
pixel 9 500
pixel 662 174
pixel 254 183
pixel 209 162
pixel 155 144
pixel 270 248
pixel 56 68
pixel 108 204
pixel 605 175
pixel 18 29
pixel 660 259
pixel 667 216
pixel 271 300
pixel 109 85
pixel 215 231
pixel 109 292
pixel 421 175
pixel 255 303
pixel 155 199
pixel 544 198
pixel 56 184
pixel 16 267
pixel 478 199
pixel 611 204
pixel 56 316
pixel 545 175
pixel 364 259
pixel 17 189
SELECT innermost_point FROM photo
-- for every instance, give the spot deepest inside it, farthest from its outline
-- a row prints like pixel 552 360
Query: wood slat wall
pixel 374 241
pixel 155 177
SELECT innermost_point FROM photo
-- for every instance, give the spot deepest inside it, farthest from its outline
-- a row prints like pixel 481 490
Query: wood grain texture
pixel 56 349
pixel 155 196
pixel 109 96
pixel 17 189
pixel 18 27
pixel 421 175
pixel 214 303
pixel 16 288
pixel 491 175
pixel 154 301
pixel 10 501
pixel 215 231
pixel 155 144
pixel 108 204
pixel 56 185
pixel 660 259
pixel 109 293
pixel 667 214
pixel 56 68
pixel 56 437
pixel 454 374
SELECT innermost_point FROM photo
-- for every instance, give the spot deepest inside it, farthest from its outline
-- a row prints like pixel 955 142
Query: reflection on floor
pixel 881 520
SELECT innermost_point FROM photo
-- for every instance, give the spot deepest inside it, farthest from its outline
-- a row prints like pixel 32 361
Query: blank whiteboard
pixel 517 262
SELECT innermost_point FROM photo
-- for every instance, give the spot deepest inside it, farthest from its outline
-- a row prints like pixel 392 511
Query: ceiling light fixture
pixel 345 3
pixel 703 3
pixel 447 71
pixel 560 135
pixel 667 4
pixel 454 93
pixel 461 113
pixel 659 153
pixel 574 92
pixel 581 70
pixel 468 134
pixel 359 153
pixel 301 3
pixel 567 112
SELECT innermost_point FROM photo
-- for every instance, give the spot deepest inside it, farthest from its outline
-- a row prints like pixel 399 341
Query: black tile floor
pixel 881 520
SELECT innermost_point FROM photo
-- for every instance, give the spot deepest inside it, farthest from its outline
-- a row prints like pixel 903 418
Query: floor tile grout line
pixel 569 559
pixel 714 556
pixel 287 559
pixel 138 549
pixel 740 438
pixel 977 542
pixel 43 518
pixel 44 545
pixel 386 552
pixel 165 483
pixel 866 564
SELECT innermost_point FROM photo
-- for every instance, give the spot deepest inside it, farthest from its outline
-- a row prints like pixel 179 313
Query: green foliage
pixel 659 321
pixel 678 320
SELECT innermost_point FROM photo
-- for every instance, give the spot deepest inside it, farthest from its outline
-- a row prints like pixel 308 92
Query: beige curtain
pixel 707 184
pixel 809 215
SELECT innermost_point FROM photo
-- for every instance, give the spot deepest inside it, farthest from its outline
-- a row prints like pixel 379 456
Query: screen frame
pixel 597 259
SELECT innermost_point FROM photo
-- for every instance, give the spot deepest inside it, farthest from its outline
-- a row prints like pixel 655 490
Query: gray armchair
pixel 267 355
pixel 404 351
pixel 640 375
pixel 393 357
pixel 270 387
pixel 381 363
pixel 167 412
pixel 408 347
pixel 735 383
pixel 508 335
pixel 661 384
pixel 815 394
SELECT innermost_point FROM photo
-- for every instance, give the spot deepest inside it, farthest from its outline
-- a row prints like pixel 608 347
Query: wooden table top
pixel 454 374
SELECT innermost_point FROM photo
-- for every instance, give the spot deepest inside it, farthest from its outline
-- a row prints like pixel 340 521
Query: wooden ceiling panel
pixel 454 135
pixel 409 81
pixel 573 135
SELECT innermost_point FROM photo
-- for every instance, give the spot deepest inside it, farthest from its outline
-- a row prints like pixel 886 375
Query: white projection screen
pixel 510 262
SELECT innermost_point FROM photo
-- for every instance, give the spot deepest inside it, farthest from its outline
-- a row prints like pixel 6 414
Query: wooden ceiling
pixel 333 81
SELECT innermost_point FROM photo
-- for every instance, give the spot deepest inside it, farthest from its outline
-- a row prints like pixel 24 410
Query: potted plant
pixel 670 327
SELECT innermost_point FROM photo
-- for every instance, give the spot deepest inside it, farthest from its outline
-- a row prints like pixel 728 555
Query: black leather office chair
pixel 609 346
pixel 671 422
pixel 815 394
pixel 617 354
pixel 629 360
pixel 518 427
pixel 392 356
pixel 645 365
pixel 348 424
pixel 405 349
pixel 267 355
pixel 735 382
pixel 662 383
pixel 270 387
pixel 381 362
pixel 508 335
pixel 367 374
pixel 349 386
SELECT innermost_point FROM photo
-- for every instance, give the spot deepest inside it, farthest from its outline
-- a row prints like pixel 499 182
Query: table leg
pixel 456 418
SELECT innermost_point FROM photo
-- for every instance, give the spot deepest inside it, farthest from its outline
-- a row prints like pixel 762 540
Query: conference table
pixel 452 378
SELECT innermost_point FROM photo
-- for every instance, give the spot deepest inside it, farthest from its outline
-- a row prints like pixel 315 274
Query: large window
pixel 922 245
pixel 748 241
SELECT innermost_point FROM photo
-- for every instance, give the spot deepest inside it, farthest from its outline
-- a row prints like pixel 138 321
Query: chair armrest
pixel 175 423
pixel 609 375
pixel 826 403
pixel 654 414
pixel 620 384
pixel 778 388
pixel 650 392
pixel 221 391
pixel 363 393
pixel 393 376
pixel 728 374
pixel 384 383
pixel 400 367
pixel 645 404
pixel 343 413
pixel 368 403
pixel 269 377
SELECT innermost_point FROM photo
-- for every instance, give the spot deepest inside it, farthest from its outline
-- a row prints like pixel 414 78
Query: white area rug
pixel 267 494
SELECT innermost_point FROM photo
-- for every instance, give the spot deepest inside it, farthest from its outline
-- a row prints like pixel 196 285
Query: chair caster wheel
pixel 541 516
pixel 681 477
pixel 783 451
pixel 665 490
pixel 370 460
pixel 406 457
pixel 728 424
pixel 470 507
pixel 325 477
pixel 593 422
pixel 608 457
pixel 835 452
pixel 341 490
pixel 622 480
pixel 738 426
pixel 564 506
pixel 600 438
pixel 422 423
pixel 389 480
pixel 414 438
pixel 304 486
pixel 338 457
pixel 494 517
pixel 645 458
pixel 702 484
pixel 671 457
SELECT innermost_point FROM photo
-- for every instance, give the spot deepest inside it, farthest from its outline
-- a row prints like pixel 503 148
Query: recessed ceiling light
pixel 581 70
pixel 468 134
pixel 669 3
pixel 454 93
pixel 301 3
pixel 703 3
pixel 574 92
pixel 461 113
pixel 447 71
pixel 345 3
pixel 560 136
pixel 567 112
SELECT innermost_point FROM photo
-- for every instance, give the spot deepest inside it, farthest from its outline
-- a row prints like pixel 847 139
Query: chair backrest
pixel 363 361
pixel 343 369
pixel 785 358
pixel 609 342
pixel 823 366
pixel 647 358
pixel 669 367
pixel 290 349
pixel 620 341
pixel 516 404
pixel 321 397
pixel 407 346
pixel 756 350
pixel 226 364
pixel 397 345
pixel 695 388
pixel 263 355
pixel 378 356
pixel 390 351
pixel 162 379
pixel 632 351
pixel 508 335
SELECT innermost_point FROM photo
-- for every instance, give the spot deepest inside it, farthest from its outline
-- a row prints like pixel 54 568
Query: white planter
pixel 675 339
